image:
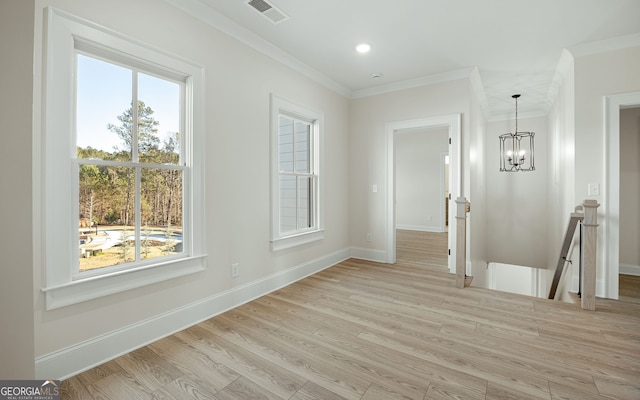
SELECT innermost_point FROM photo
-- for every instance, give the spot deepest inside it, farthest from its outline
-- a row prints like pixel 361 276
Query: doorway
pixel 612 210
pixel 629 278
pixel 451 123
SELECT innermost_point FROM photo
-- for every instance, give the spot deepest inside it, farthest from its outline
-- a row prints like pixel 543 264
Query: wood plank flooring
pixel 365 331
pixel 629 288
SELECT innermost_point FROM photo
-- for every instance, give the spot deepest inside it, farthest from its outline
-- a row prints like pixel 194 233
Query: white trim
pixel 280 105
pixel 563 68
pixel 296 240
pixel 477 87
pixel 58 171
pixel 630 269
pixel 208 15
pixel 451 121
pixel 600 286
pixel 602 46
pixel 420 228
pixel 363 253
pixel 442 201
pixel 463 73
pixel 103 285
pixel 72 360
pixel 610 221
pixel 537 278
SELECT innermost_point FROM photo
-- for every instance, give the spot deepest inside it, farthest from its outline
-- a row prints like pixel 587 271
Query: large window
pixel 123 165
pixel 296 134
pixel 129 164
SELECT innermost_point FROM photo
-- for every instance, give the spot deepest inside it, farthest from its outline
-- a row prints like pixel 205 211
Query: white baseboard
pixel 629 269
pixel 369 254
pixel 600 286
pixel 420 228
pixel 82 356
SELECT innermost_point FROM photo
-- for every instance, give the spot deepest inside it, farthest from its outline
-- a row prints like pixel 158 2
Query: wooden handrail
pixel 564 251
pixel 588 251
pixel 463 207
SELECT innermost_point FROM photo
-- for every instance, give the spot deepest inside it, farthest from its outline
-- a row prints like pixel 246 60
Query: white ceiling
pixel 514 44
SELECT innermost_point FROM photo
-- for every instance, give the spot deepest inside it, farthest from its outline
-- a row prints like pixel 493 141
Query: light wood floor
pixel 363 330
pixel 629 288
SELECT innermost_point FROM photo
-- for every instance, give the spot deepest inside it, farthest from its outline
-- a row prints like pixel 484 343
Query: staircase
pixel 587 214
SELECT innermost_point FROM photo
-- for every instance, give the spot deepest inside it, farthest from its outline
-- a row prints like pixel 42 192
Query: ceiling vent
pixel 268 10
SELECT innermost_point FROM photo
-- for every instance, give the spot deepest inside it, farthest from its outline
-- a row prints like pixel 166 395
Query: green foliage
pixel 111 217
pixel 107 193
pixel 147 129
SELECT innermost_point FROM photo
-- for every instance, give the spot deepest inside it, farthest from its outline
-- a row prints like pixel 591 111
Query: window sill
pixel 296 240
pixel 104 285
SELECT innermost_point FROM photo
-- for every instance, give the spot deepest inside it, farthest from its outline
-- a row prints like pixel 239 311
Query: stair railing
pixel 587 213
pixel 463 207
pixel 575 217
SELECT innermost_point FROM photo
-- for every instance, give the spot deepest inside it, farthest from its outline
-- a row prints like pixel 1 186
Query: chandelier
pixel 516 149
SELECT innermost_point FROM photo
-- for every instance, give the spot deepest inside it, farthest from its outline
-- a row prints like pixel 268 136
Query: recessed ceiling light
pixel 363 48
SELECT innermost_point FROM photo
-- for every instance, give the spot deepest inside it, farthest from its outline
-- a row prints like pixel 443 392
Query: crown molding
pixel 208 15
pixel 603 46
pixel 521 115
pixel 563 69
pixel 200 10
pixel 477 88
pixel 463 73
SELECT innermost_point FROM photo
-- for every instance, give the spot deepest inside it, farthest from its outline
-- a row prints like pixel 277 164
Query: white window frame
pixel 280 240
pixel 65 35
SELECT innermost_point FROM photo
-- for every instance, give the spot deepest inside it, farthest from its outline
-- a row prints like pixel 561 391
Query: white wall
pixel 630 190
pixel 561 173
pixel 596 76
pixel 239 81
pixel 419 177
pixel 367 143
pixel 516 205
pixel 16 97
pixel 477 221
pixel 517 279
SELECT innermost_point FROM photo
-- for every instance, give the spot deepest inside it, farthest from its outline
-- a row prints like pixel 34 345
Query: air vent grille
pixel 260 5
pixel 269 11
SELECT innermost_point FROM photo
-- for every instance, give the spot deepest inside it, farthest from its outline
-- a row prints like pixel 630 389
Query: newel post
pixel 463 207
pixel 588 249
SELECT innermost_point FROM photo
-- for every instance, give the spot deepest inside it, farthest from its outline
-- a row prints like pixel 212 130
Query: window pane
pixel 158 120
pixel 288 213
pixel 103 109
pixel 304 196
pixel 107 222
pixel 285 144
pixel 161 203
pixel 302 147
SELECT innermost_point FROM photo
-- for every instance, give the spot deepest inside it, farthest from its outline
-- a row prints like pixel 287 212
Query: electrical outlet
pixel 235 270
pixel 369 237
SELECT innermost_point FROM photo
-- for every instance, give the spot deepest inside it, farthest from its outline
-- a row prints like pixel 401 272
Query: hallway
pixel 363 330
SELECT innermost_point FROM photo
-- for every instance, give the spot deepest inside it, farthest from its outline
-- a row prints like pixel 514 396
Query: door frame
pixel 452 122
pixel 611 228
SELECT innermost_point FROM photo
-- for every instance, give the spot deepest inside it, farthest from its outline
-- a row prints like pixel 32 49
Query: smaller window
pixel 296 187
